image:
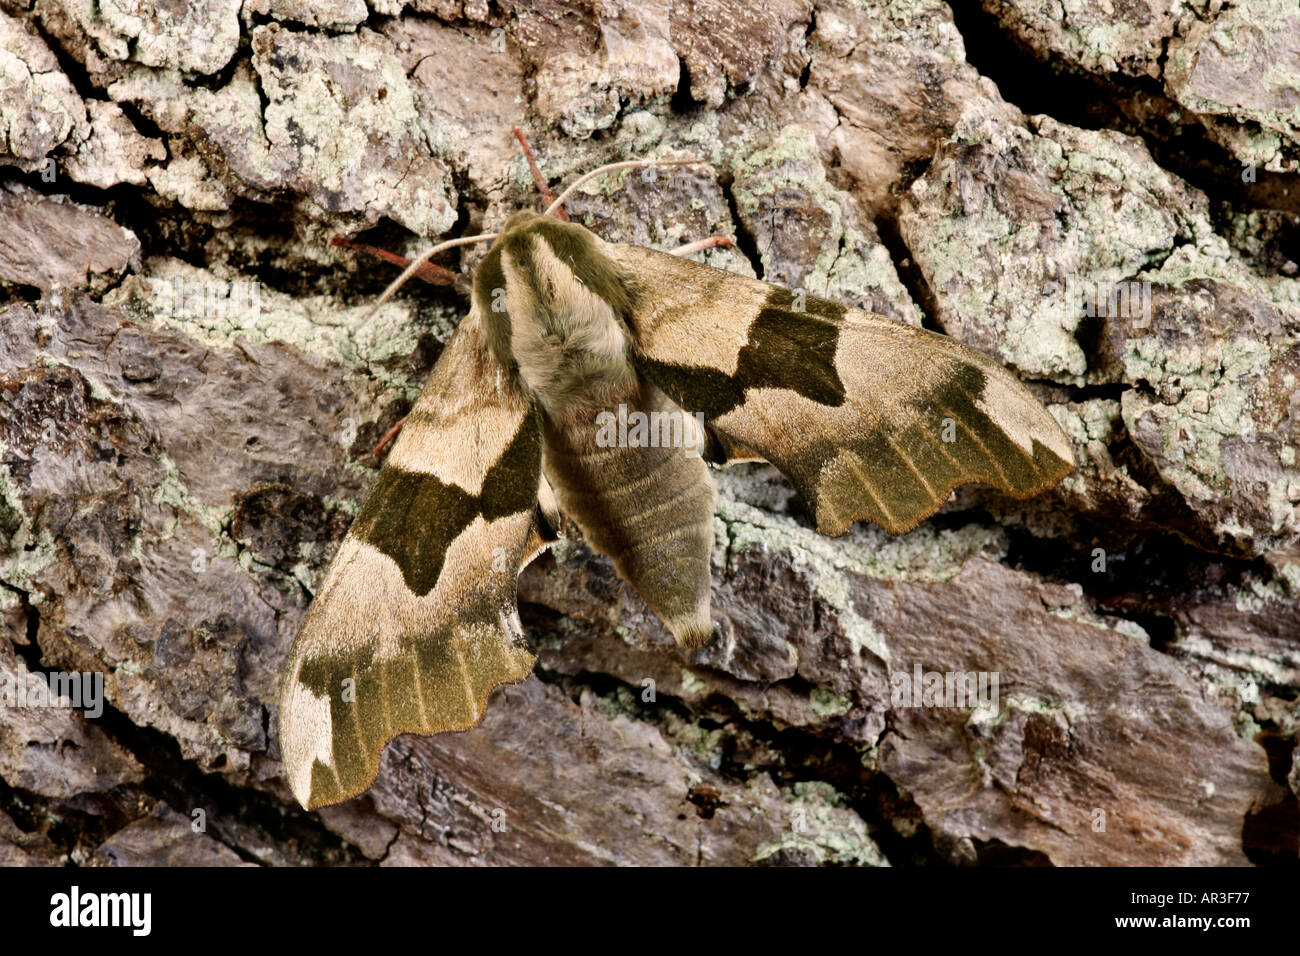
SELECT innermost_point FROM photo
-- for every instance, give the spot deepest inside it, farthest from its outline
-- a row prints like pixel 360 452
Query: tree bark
pixel 189 398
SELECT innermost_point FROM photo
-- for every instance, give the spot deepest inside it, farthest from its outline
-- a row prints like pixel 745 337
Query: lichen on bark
pixel 190 393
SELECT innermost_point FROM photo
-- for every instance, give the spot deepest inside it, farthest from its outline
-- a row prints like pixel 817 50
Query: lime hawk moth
pixel 416 621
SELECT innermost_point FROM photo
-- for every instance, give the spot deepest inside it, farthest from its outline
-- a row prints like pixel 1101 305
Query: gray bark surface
pixel 189 399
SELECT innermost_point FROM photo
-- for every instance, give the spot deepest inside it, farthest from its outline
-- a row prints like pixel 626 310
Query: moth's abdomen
pixel 645 502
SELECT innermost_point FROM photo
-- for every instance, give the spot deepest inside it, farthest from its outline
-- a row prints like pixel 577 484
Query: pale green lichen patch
pixel 1072 212
pixel 1253 597
pixel 791 161
pixel 1092 420
pixel 221 312
pixel 692 685
pixel 989 718
pixel 620 701
pixel 185 180
pixel 553 638
pixel 1239 70
pixel 923 24
pixel 1277 671
pixel 24 553
pixel 1092 426
pixel 1100 38
pixel 826 703
pixel 195 37
pixel 1081 611
pixel 820 824
pixel 925 554
pixel 1204 419
pixel 836 259
pixel 704 745
pixel 1231 678
pixel 310 568
pixel 173 493
pixel 39 108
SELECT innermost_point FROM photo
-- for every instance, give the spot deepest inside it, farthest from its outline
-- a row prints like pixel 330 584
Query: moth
pixel 416 621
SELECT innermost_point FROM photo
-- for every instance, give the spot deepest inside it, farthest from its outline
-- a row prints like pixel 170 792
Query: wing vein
pixel 908 461
pixel 464 672
pixel 1006 483
pixel 419 691
pixel 870 489
pixel 355 710
pixel 943 451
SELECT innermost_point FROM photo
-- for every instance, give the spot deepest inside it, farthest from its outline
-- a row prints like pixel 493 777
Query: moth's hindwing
pixel 869 418
pixel 416 621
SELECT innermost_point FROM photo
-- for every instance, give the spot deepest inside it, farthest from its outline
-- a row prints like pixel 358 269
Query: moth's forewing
pixel 416 621
pixel 869 418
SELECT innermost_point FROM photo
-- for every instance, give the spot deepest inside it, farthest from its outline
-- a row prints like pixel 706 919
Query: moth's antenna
pixel 416 263
pixel 545 190
pixel 630 164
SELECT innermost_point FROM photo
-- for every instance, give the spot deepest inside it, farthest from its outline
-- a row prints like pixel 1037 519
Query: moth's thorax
pixel 551 304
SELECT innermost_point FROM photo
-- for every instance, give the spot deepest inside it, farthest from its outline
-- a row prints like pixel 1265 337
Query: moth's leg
pixel 699 245
pixel 428 272
pixel 548 197
pixel 390 435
